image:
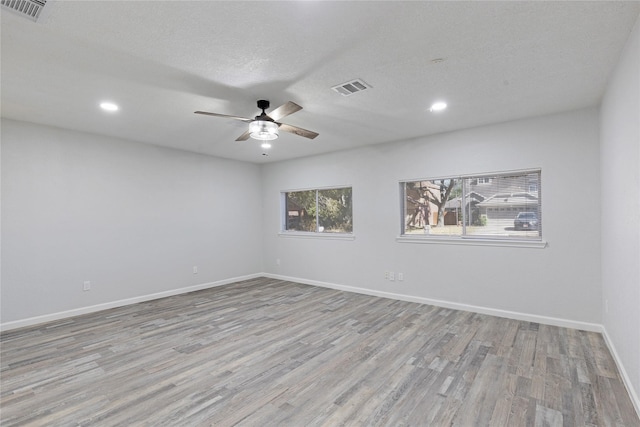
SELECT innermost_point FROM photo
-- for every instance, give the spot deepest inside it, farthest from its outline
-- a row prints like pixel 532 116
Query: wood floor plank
pixel 265 352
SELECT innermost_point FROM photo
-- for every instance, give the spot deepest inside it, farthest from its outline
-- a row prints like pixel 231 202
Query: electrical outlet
pixel 392 276
pixel 386 275
pixel 86 286
pixel 195 269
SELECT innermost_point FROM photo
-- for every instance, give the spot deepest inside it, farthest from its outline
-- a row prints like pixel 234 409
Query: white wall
pixel 131 218
pixel 561 281
pixel 620 165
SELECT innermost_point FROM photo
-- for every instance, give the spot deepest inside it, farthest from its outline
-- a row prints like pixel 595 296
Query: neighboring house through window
pixel 504 205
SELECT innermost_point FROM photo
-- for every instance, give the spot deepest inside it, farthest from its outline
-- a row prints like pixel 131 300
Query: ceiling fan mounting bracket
pixel 263 105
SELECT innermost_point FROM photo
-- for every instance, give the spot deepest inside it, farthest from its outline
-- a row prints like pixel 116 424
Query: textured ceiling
pixel 161 61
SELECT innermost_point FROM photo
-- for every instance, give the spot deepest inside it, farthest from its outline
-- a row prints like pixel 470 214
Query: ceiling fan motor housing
pixel 263 104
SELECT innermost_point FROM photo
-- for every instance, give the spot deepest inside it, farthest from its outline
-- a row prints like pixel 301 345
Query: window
pixel 326 210
pixel 505 205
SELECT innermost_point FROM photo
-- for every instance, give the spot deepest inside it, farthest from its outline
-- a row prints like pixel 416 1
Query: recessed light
pixel 438 106
pixel 109 106
pixel 266 145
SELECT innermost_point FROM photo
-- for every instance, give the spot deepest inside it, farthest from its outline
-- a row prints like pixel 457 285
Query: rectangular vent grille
pixel 29 9
pixel 349 88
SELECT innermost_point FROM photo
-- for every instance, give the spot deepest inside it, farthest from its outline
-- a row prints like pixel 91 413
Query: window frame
pixel 283 232
pixel 467 239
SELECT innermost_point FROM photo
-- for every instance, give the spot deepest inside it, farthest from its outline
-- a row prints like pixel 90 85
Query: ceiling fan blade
pixel 284 110
pixel 244 119
pixel 244 136
pixel 298 131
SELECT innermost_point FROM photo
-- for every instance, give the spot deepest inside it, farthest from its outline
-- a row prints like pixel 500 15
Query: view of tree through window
pixel 321 211
pixel 502 205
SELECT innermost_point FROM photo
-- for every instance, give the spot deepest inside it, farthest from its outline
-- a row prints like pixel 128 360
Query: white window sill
pixel 472 241
pixel 325 236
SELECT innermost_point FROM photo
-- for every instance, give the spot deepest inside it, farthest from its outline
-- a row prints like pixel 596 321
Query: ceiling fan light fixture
pixel 263 130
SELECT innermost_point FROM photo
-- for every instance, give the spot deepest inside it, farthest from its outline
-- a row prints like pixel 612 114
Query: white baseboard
pixel 553 321
pixel 633 395
pixel 99 307
pixel 565 323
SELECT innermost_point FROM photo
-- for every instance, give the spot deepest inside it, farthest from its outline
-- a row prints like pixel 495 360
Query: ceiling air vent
pixel 29 9
pixel 349 88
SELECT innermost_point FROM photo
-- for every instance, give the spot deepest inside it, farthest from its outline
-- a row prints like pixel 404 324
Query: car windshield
pixel 526 215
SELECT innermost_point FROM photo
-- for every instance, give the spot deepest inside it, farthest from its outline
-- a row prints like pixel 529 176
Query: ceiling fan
pixel 265 127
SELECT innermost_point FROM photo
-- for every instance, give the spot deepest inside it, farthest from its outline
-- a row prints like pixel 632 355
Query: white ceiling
pixel 161 61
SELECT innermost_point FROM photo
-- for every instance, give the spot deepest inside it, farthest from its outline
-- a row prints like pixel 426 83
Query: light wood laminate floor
pixel 265 352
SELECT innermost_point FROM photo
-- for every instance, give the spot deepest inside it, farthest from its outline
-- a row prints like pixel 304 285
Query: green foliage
pixel 304 203
pixel 333 210
pixel 481 221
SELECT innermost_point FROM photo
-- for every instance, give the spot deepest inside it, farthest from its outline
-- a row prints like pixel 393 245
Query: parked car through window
pixel 526 220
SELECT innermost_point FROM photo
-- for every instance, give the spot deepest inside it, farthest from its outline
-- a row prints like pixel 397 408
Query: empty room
pixel 319 213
